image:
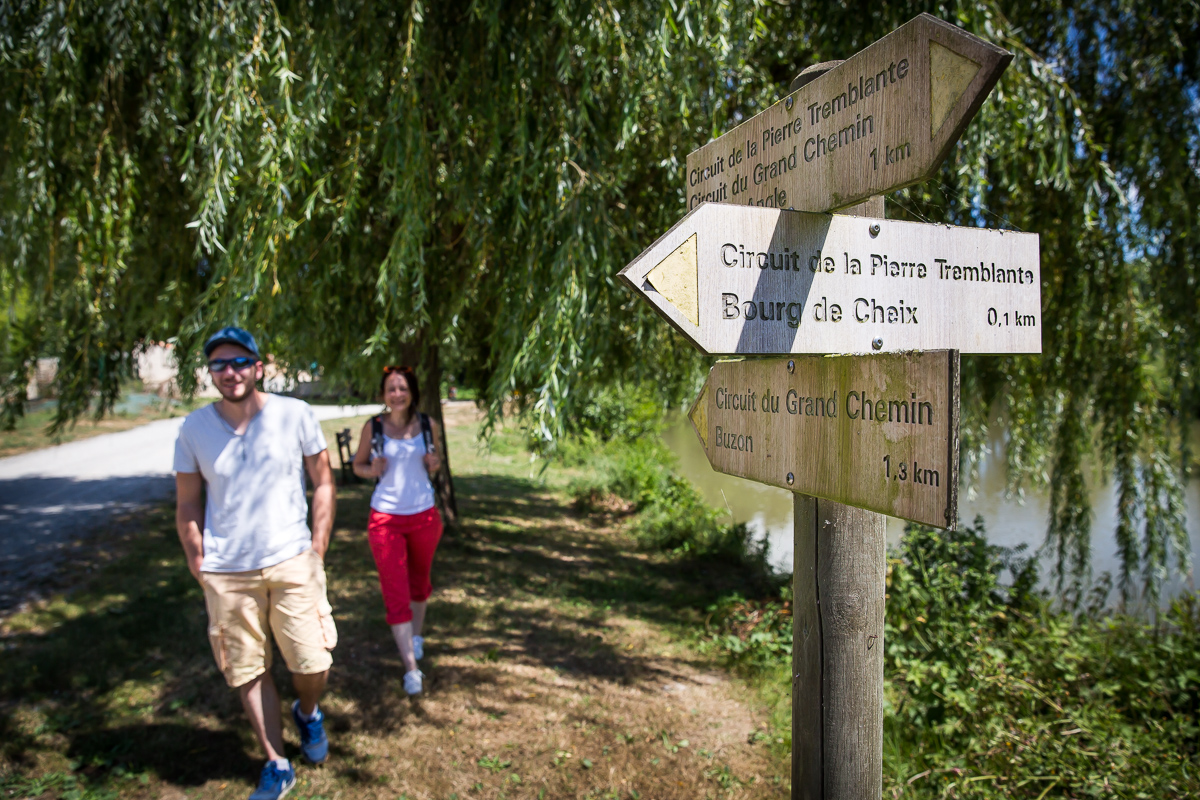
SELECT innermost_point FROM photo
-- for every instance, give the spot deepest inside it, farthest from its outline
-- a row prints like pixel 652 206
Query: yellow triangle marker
pixel 949 76
pixel 699 415
pixel 676 279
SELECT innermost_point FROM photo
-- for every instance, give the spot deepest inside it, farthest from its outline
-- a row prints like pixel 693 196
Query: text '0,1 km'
pixel 737 280
pixel 881 120
pixel 877 432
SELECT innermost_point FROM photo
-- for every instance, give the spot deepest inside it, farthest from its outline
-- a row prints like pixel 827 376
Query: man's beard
pixel 242 399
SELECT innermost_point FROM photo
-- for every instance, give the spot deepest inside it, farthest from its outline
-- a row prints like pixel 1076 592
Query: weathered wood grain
pixel 807 657
pixel 839 584
pixel 882 119
pixel 851 581
pixel 839 580
pixel 878 432
pixel 753 281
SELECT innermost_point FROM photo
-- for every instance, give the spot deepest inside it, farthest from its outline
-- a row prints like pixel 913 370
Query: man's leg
pixel 261 701
pixel 302 622
pixel 237 620
pixel 309 688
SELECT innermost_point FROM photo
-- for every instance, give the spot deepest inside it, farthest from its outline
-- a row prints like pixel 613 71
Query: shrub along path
pixel 558 659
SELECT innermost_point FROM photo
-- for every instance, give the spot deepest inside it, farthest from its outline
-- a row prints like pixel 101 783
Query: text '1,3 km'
pixel 877 432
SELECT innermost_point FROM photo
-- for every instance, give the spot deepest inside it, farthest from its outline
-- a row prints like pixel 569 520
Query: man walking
pixel 249 545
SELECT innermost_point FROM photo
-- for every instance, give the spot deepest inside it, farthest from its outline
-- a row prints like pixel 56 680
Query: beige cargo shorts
pixel 289 599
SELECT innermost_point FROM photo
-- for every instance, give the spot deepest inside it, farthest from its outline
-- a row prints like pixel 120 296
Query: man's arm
pixel 324 500
pixel 189 518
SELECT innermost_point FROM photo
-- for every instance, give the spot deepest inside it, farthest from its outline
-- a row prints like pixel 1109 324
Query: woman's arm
pixel 364 467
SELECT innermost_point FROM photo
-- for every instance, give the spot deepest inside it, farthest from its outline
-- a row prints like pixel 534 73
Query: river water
pixel 1010 521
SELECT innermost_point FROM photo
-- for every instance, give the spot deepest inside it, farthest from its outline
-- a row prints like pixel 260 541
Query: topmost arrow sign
pixel 881 120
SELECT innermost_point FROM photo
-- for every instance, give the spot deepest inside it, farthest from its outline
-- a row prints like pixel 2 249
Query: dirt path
pixel 558 666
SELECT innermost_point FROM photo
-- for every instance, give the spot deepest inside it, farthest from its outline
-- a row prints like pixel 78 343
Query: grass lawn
pixel 559 665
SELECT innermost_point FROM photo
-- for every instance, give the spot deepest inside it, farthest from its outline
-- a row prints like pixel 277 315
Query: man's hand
pixel 189 518
pixel 194 563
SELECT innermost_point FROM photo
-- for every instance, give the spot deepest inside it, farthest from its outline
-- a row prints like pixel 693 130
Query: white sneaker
pixel 412 682
pixel 418 647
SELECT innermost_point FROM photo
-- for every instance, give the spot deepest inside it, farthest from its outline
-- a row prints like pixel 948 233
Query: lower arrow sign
pixel 877 432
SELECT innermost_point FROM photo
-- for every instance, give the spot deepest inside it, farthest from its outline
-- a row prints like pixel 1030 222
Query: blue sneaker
pixel 313 741
pixel 274 783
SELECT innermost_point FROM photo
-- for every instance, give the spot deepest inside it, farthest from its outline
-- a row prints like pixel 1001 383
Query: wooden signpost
pixel 876 432
pixel 853 437
pixel 878 121
pixel 740 280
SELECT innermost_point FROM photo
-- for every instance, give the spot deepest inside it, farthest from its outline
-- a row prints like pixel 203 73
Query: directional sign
pixel 882 119
pixel 740 280
pixel 877 432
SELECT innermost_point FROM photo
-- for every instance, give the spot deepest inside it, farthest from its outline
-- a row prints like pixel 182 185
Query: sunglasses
pixel 218 365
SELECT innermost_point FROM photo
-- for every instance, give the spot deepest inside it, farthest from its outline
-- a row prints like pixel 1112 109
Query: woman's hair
pixel 410 378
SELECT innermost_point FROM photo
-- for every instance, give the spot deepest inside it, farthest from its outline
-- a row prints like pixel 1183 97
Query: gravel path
pixel 51 500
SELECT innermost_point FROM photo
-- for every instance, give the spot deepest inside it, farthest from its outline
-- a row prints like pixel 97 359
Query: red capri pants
pixel 403 546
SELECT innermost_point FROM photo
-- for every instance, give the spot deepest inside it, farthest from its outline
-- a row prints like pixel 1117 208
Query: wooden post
pixel 837 674
pixel 838 584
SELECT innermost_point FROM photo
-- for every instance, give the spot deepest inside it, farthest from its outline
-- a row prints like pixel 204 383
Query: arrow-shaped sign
pixel 881 120
pixel 737 280
pixel 877 432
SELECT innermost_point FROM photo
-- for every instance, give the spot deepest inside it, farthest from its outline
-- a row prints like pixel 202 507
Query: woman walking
pixel 398 447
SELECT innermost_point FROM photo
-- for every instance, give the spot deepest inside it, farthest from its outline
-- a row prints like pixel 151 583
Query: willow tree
pixel 357 182
pixel 1091 139
pixel 364 182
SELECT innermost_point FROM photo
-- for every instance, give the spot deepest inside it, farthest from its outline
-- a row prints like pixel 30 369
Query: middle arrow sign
pixel 746 280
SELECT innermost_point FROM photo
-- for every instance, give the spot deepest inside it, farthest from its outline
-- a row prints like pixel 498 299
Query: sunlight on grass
pixel 547 633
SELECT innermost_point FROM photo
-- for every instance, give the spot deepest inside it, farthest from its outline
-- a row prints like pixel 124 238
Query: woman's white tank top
pixel 404 487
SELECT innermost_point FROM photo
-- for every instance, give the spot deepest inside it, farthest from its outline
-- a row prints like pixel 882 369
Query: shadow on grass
pixel 40 529
pixel 119 674
pixel 182 754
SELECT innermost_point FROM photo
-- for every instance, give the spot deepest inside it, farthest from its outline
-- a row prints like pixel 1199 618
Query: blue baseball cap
pixel 231 335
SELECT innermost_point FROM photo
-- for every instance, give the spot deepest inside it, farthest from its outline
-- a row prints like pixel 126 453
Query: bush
pixel 622 412
pixel 996 684
pixel 640 473
pixel 752 633
pixel 993 691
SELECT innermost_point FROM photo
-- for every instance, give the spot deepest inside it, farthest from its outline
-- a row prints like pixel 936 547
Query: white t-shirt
pixel 256 514
pixel 404 487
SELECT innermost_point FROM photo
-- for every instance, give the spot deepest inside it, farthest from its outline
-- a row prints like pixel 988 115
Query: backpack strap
pixel 376 436
pixel 427 433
